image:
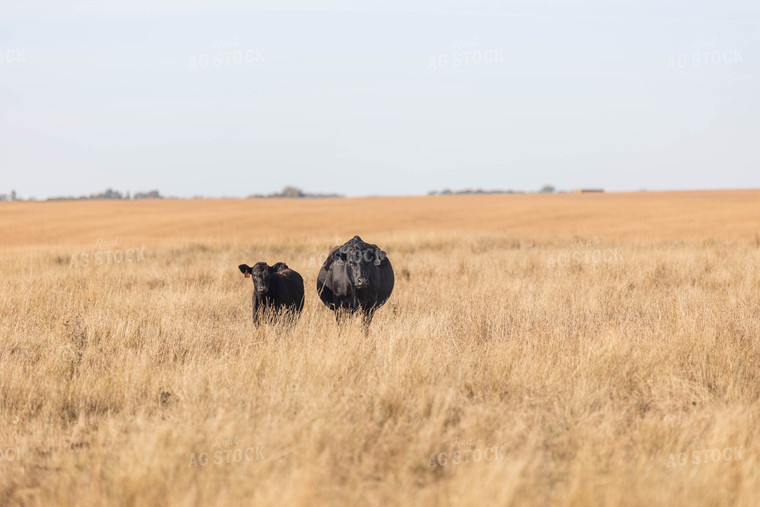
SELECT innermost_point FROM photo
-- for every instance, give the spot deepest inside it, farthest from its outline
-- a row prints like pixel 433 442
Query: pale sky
pixel 384 97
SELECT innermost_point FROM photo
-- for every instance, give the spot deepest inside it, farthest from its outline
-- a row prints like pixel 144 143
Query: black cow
pixel 275 288
pixel 356 277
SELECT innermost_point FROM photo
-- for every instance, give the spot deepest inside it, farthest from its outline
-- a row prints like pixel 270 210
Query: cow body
pixel 356 277
pixel 275 289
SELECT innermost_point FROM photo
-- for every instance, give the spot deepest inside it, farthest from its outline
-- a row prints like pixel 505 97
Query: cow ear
pixel 380 257
pixel 245 269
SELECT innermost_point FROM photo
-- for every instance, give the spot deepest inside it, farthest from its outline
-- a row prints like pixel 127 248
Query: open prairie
pixel 536 350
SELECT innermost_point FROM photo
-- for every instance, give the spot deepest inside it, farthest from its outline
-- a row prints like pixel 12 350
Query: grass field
pixel 586 349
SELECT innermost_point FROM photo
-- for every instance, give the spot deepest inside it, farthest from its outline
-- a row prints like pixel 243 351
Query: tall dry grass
pixel 586 375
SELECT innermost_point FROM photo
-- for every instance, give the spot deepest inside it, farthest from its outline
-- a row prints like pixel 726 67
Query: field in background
pixel 594 346
pixel 629 216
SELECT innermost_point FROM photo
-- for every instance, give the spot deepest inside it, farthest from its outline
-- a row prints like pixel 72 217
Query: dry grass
pixel 588 376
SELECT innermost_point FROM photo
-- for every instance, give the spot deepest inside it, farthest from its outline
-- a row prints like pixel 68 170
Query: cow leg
pixel 367 319
pixel 256 312
pixel 290 316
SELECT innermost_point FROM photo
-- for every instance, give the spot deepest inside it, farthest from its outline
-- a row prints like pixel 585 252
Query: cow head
pixel 359 261
pixel 357 268
pixel 261 274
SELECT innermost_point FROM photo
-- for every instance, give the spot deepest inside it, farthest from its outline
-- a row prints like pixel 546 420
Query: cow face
pixel 357 268
pixel 261 275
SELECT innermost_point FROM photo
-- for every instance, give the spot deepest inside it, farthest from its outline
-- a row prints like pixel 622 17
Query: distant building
pixel 588 190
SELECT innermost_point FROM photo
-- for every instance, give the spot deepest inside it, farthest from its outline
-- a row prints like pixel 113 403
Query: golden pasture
pixel 537 350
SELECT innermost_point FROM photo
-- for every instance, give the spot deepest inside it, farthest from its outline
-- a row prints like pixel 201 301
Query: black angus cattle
pixel 356 277
pixel 275 288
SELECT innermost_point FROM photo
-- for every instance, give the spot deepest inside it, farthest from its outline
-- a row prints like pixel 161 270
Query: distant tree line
pixel 293 193
pixel 290 192
pixel 111 194
pixel 287 192
pixel 546 189
pixel 108 194
pixel 7 197
pixel 470 191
